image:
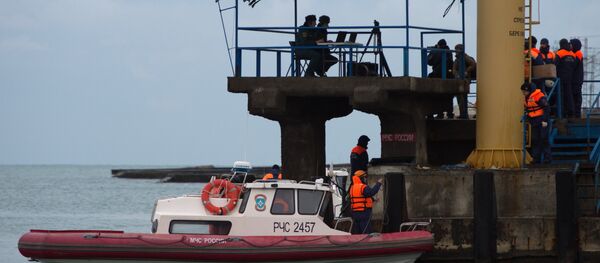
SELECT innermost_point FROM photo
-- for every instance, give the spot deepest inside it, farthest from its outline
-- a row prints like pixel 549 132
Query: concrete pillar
pixel 302 122
pixel 398 136
pixel 303 148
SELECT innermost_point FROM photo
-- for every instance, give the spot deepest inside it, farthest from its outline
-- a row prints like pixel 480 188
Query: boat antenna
pixel 221 10
pixel 450 7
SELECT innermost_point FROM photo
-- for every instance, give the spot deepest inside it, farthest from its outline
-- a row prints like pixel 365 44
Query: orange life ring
pixel 232 192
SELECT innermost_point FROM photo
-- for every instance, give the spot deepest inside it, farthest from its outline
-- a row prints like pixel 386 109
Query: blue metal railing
pixel 594 155
pixel 351 49
pixel 345 51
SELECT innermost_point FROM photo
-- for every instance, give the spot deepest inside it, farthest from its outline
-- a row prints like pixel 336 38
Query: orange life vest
pixel 549 56
pixel 270 176
pixel 534 53
pixel 358 201
pixel 579 55
pixel 531 105
pixel 563 53
pixel 358 149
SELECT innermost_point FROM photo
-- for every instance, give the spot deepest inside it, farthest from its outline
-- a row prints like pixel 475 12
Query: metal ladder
pixel 529 23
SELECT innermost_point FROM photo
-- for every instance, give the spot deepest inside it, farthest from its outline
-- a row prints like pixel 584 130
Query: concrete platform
pixel 303 105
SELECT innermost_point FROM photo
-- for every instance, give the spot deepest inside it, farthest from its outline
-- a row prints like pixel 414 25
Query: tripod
pixel 376 34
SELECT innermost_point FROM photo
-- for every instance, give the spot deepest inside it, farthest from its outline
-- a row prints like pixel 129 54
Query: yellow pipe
pixel 500 37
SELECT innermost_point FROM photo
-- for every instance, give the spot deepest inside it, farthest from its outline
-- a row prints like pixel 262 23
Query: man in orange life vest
pixel 361 202
pixel 275 171
pixel 537 109
pixel 578 76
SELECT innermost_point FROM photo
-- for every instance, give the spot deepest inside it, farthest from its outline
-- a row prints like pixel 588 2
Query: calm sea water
pixel 74 197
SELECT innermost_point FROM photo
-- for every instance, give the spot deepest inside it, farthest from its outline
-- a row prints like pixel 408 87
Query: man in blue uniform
pixel 577 76
pixel 359 157
pixel 566 65
pixel 307 36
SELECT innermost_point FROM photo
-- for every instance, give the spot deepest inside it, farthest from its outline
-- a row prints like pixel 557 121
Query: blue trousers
pixel 540 147
pixel 362 222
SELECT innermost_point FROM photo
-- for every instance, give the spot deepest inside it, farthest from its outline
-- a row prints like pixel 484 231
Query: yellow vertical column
pixel 500 38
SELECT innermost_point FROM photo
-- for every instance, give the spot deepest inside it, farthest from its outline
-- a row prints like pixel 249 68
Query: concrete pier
pixel 527 228
pixel 302 105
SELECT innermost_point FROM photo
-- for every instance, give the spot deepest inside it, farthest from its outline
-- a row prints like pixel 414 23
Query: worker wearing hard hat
pixel 361 202
pixel 537 109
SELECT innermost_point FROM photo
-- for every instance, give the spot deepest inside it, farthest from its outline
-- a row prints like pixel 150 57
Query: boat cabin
pixel 264 208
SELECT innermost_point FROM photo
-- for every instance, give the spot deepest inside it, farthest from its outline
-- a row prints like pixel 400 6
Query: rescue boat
pixel 264 220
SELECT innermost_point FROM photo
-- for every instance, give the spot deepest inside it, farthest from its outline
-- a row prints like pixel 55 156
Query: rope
pixel 240 239
pixel 226 38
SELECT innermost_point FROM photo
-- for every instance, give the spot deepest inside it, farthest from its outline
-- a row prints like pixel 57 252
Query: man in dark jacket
pixel 359 158
pixel 307 36
pixel 566 65
pixel 578 76
pixel 434 59
pixel 328 59
pixel 470 73
pixel 548 56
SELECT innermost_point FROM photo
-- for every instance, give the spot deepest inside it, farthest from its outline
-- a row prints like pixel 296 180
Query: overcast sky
pixel 143 82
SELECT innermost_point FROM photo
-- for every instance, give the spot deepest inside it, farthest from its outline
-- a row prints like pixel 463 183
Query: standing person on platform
pixel 359 157
pixel 306 37
pixel 435 60
pixel 536 60
pixel 275 171
pixel 566 65
pixel 537 109
pixel 328 59
pixel 361 201
pixel 470 74
pixel 548 56
pixel 578 76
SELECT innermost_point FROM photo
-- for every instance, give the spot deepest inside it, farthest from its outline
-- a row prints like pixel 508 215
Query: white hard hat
pixel 549 83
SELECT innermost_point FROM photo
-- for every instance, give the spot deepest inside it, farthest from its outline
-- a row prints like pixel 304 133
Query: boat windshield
pixel 283 202
pixel 309 201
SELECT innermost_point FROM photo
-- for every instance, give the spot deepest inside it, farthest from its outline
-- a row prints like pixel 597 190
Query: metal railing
pixel 594 155
pixel 348 52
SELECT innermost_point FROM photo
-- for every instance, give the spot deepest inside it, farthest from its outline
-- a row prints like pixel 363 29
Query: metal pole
pixel 464 54
pixel 258 63
pixel 295 33
pixel 406 60
pixel 278 63
pixel 295 17
pixel 238 60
